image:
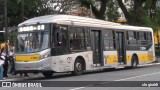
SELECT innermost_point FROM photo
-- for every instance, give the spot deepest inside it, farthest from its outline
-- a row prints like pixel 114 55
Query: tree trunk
pixel 124 9
pixel 137 11
pixel 99 14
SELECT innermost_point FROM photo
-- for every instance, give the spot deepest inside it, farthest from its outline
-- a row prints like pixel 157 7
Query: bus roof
pixel 2 31
pixel 81 21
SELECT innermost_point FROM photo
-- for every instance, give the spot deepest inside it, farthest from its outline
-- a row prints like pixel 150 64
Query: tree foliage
pixel 141 13
pixel 102 9
pixel 112 13
pixel 20 10
pixel 98 12
pixel 1 14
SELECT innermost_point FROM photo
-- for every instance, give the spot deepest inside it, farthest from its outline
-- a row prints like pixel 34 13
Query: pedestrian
pixel 5 65
pixel 12 62
pixel 2 59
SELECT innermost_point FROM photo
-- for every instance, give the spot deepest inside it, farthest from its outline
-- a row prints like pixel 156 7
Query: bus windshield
pixel 32 41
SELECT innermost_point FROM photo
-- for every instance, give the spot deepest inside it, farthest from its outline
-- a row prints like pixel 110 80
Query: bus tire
pixel 134 61
pixel 78 67
pixel 48 74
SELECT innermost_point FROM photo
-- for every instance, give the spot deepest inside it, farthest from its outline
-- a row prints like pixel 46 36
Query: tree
pixel 1 14
pixel 20 10
pixel 142 13
pixel 112 11
pixel 98 13
pixel 102 9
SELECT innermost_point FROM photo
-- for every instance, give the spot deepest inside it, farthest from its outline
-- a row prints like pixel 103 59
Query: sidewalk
pixel 158 59
pixel 17 77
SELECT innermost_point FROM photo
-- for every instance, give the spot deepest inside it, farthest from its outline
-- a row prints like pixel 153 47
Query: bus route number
pixel 142 48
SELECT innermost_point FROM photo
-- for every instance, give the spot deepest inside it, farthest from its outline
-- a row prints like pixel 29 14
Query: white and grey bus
pixel 65 43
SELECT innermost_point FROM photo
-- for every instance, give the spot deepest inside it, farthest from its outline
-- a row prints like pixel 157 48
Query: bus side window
pixel 53 35
pixel 87 38
pixel 109 40
pixel 149 36
pixel 142 38
pixel 77 38
pixel 61 37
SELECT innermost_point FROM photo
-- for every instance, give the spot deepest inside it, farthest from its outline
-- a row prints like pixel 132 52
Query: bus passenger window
pixel 131 35
pixel 61 38
pixel 77 38
pixel 145 36
pixel 109 40
pixel 131 38
pixel 149 36
pixel 142 38
pixel 141 35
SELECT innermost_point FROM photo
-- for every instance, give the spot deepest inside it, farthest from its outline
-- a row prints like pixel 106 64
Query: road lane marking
pixel 137 76
pixel 77 88
pixel 150 64
pixel 117 80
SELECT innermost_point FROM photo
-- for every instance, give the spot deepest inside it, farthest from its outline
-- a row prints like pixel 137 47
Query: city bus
pixel 65 43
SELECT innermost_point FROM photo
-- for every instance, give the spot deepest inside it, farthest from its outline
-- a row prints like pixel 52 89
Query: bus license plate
pixel 26 68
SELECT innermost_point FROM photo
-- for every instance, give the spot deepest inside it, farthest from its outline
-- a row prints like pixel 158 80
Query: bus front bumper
pixel 36 66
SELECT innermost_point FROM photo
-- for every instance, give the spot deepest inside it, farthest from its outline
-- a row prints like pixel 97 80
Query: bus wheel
pixel 48 74
pixel 78 67
pixel 134 61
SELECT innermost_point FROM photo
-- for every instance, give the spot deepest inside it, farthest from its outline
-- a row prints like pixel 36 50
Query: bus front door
pixel 120 38
pixel 96 47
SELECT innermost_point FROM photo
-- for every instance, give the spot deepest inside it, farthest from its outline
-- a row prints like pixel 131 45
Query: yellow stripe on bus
pixel 145 57
pixel 113 59
pixel 27 58
pixel 141 58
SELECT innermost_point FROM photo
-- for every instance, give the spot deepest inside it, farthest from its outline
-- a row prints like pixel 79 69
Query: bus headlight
pixel 45 55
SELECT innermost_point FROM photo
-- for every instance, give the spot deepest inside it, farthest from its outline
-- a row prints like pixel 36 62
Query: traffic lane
pixel 145 77
pixel 109 75
pixel 143 82
pixel 151 77
pixel 141 72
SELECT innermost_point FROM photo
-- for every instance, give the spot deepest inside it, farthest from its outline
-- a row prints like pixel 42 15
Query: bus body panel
pixel 41 65
pixel 110 59
pixel 144 57
pixel 64 63
pixel 60 63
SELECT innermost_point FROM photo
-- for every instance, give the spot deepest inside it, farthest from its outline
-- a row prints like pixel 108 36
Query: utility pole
pixel 70 6
pixel 158 39
pixel 6 30
pixel 22 12
pixel 91 11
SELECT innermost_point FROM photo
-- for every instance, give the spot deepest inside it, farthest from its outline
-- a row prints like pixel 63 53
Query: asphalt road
pixel 121 79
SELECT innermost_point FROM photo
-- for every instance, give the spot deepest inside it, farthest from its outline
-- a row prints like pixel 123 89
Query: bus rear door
pixel 120 39
pixel 97 47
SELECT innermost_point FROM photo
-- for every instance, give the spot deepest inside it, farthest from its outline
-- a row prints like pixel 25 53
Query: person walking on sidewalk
pixel 5 65
pixel 2 59
pixel 12 62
